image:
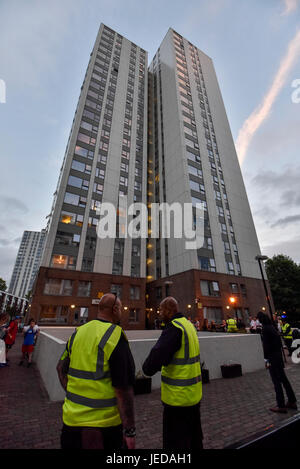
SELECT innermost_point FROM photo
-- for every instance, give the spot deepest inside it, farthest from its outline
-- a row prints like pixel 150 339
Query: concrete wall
pixel 215 350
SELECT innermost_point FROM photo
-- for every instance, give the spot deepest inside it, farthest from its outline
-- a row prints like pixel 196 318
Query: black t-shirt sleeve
pixel 163 351
pixel 121 365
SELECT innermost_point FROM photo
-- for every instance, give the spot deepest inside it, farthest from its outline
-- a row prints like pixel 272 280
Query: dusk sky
pixel 44 51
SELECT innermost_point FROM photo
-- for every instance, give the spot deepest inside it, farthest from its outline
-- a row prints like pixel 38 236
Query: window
pixel 67 239
pixel 133 315
pixel 78 182
pixel 135 292
pixel 63 262
pixel 71 218
pixel 234 287
pixel 82 167
pixel 117 268
pixel 137 186
pixel 84 152
pixel 230 268
pixel 98 188
pixel 123 181
pixel 206 263
pixel 100 173
pixel 226 247
pixel 86 139
pixel 80 315
pixel 116 289
pixel 195 171
pixel 72 199
pixel 55 286
pixel 87 265
pixel 93 222
pixel 95 204
pixel 84 288
pixel 78 166
pixel 193 157
pixel 213 314
pixel 119 247
pixel 136 250
pixel 194 186
pixel 209 288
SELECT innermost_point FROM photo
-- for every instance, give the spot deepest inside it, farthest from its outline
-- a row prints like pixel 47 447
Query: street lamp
pixel 260 259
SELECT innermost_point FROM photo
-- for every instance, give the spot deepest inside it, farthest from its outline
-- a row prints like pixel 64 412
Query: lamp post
pixel 260 259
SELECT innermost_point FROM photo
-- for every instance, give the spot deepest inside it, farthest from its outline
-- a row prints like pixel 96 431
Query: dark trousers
pixel 182 428
pixel 110 438
pixel 288 343
pixel 281 381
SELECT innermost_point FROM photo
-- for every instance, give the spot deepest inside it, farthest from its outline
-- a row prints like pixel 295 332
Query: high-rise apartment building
pixel 192 159
pixel 27 263
pixel 106 157
pixel 159 136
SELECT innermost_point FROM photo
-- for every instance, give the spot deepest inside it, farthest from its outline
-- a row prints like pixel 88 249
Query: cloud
pixel 35 32
pixel 283 222
pixel 263 110
pixel 288 247
pixel 287 177
pixel 290 7
pixel 11 205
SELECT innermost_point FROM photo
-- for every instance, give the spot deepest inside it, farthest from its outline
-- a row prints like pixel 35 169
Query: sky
pixel 44 51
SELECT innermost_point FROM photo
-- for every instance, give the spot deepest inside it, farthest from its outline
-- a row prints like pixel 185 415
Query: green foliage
pixel 284 277
pixel 3 285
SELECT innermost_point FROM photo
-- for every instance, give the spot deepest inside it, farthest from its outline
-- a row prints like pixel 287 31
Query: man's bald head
pixel 168 307
pixel 109 308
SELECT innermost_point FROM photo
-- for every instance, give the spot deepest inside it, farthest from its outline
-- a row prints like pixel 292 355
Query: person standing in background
pixel 30 336
pixel 274 363
pixel 11 333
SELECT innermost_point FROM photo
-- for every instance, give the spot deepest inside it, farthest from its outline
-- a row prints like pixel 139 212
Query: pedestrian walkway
pixel 231 409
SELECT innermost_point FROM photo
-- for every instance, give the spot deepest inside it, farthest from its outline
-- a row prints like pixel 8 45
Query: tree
pixel 284 278
pixel 3 285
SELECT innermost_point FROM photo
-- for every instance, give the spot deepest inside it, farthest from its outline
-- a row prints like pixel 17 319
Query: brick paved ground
pixel 231 409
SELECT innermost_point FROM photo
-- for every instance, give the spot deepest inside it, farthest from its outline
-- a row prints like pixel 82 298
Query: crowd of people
pixel 8 333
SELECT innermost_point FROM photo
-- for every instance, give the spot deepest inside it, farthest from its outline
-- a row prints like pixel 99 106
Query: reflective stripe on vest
pixel 99 373
pixel 181 383
pixel 287 335
pixel 90 398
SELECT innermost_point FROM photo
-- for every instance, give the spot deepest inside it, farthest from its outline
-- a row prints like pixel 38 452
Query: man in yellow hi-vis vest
pixel 231 325
pixel 287 333
pixel 97 372
pixel 176 354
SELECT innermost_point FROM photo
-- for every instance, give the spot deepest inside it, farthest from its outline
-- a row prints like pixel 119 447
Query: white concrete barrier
pixel 215 350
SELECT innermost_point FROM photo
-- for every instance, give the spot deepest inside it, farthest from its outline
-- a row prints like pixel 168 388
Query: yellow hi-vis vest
pixel 90 398
pixel 286 335
pixel 181 380
pixel 231 325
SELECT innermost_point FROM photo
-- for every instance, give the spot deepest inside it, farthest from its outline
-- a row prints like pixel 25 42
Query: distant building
pixel 27 263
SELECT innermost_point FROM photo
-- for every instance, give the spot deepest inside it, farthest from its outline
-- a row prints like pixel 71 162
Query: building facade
pixel 192 159
pixel 156 136
pixel 27 263
pixel 105 162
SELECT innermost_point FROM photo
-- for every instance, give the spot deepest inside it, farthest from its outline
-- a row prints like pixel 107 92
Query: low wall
pixel 215 350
